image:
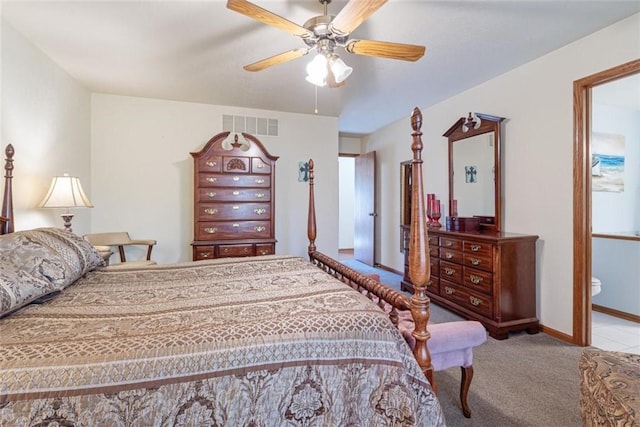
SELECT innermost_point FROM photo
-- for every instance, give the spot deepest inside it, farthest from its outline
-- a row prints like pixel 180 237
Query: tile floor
pixel 613 333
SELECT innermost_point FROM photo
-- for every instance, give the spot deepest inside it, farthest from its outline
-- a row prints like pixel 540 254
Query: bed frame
pixel 419 270
pixel 6 215
pixel 419 267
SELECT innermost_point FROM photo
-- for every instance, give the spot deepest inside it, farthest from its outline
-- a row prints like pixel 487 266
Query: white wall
pixel 615 263
pixel 142 172
pixel 46 116
pixel 537 100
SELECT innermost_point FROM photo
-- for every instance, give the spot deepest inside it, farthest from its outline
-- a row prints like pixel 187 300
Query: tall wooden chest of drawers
pixel 485 277
pixel 234 193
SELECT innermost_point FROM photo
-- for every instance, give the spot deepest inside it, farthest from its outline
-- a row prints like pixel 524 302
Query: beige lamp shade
pixel 66 192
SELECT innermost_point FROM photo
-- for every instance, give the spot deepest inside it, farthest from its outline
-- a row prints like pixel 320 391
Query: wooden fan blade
pixel 353 14
pixel 276 59
pixel 405 52
pixel 259 14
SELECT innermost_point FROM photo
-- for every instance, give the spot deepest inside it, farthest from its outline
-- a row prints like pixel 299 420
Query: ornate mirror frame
pixel 582 195
pixel 467 127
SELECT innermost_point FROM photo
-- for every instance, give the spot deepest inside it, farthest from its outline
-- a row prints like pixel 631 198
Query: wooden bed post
pixel 311 217
pixel 6 215
pixel 419 268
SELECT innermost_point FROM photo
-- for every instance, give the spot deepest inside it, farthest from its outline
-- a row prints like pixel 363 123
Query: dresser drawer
pixel 237 211
pixel 259 166
pixel 477 280
pixel 266 249
pixel 225 251
pixel 434 285
pixel 235 164
pixel 234 195
pixel 203 252
pixel 450 271
pixel 483 262
pixel 233 230
pixel 470 300
pixel 233 180
pixel 210 164
pixel 451 255
pixel 478 248
pixel 433 250
pixel 434 264
pixel 433 240
pixel 449 243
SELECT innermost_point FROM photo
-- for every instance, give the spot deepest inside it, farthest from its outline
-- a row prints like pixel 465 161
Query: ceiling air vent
pixel 253 125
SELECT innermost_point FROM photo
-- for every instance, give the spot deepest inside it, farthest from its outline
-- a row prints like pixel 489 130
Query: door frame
pixel 582 195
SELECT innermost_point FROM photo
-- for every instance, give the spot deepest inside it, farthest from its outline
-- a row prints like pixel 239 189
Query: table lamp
pixel 66 192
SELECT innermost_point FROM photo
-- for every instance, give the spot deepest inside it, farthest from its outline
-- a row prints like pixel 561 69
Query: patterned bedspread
pixel 266 341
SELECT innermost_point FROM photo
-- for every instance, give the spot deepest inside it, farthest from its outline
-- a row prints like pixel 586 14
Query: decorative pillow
pixel 51 254
pixel 19 288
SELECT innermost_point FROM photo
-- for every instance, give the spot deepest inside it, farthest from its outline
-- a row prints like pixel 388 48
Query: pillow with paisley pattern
pixel 39 262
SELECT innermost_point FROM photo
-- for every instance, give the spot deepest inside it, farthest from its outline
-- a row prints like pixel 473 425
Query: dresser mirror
pixel 475 173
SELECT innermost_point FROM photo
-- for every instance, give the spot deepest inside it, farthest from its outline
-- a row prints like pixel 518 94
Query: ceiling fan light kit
pixel 323 33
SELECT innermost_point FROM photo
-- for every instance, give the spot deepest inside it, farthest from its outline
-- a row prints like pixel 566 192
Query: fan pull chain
pixel 316 104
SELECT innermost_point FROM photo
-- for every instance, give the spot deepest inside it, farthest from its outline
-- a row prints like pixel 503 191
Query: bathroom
pixel 615 208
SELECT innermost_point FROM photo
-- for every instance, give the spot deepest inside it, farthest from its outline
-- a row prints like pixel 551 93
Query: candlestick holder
pixel 436 213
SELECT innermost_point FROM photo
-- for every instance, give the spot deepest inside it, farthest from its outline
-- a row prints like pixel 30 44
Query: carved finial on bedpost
pixel 7 202
pixel 311 218
pixel 419 268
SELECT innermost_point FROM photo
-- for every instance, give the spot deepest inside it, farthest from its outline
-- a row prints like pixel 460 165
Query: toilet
pixel 596 286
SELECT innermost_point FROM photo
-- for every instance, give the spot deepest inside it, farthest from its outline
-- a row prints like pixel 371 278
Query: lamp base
pixel 67 217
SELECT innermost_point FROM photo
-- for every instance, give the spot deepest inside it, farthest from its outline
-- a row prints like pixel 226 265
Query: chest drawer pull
pixel 260 229
pixel 235 208
pixel 236 193
pixel 259 181
pixel 210 211
pixel 236 178
pixel 475 248
pixel 448 243
pixel 449 291
pixel 259 195
pixel 235 225
pixel 211 164
pixel 449 271
pixel 211 179
pixel 260 211
pixel 475 261
pixel 211 230
pixel 259 166
pixel 475 301
pixel 205 254
pixel 475 279
pixel 211 194
pixel 448 255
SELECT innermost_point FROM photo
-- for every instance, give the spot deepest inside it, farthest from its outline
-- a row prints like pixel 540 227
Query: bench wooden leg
pixel 465 383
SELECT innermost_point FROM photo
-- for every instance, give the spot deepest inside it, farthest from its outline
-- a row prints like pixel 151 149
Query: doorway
pixel 582 219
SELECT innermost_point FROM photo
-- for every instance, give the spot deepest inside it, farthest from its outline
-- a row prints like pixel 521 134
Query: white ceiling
pixel 195 50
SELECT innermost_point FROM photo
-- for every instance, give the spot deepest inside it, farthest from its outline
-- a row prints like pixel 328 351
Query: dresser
pixel 234 193
pixel 488 277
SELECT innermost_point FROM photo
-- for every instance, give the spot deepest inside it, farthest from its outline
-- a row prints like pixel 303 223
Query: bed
pixel 260 341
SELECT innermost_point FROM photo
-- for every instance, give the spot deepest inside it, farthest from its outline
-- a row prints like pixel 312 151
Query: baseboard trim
pixel 557 334
pixel 615 313
pixel 384 267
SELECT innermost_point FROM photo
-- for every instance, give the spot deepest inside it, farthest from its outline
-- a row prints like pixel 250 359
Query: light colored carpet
pixel 526 380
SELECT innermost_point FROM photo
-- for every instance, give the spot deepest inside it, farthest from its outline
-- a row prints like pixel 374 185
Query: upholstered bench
pixel 609 388
pixel 451 344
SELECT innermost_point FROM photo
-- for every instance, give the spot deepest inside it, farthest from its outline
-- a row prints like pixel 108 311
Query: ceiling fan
pixel 324 33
